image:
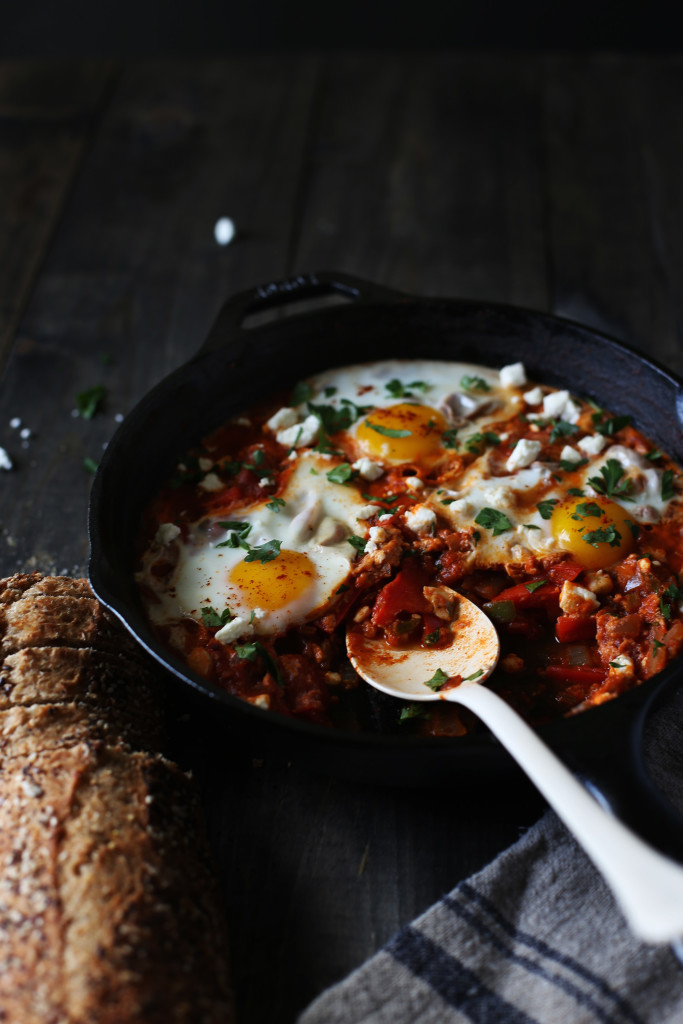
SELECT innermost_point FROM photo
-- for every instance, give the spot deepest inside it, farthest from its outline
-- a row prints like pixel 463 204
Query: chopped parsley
pixel 653 456
pixel 667 484
pixel 546 506
pixel 475 675
pixel 569 465
pixel 397 389
pixel 437 680
pixel 611 485
pixel 562 429
pixel 604 535
pixel 656 644
pixel 302 392
pixel 672 593
pixel 586 509
pixel 474 383
pixel 531 587
pixel 634 528
pixel 239 531
pixel 413 711
pixel 356 542
pixel 328 392
pixel 492 519
pixel 433 638
pixel 251 651
pixel 332 420
pixel 576 492
pixel 530 526
pixel 89 465
pixel 476 537
pixel 341 474
pixel 476 443
pixel 276 504
pixel 612 425
pixel 264 552
pixel 448 438
pixel 387 431
pixel 89 401
pixel 213 619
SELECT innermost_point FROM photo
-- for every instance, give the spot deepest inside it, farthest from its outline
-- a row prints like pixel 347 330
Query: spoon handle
pixel 647 885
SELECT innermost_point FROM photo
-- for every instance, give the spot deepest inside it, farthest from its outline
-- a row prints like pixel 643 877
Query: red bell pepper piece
pixel 564 571
pixel 586 674
pixel 569 628
pixel 402 594
pixel 522 597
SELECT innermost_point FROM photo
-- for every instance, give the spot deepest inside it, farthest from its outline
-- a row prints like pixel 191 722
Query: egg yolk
pixel 596 531
pixel 274 584
pixel 402 433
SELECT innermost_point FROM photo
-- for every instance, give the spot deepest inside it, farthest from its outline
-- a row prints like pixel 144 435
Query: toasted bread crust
pixel 108 905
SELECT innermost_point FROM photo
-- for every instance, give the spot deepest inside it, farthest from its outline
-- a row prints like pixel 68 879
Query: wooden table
pixel 547 181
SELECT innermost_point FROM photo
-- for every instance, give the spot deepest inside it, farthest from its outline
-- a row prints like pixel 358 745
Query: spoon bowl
pixel 647 885
pixel 413 673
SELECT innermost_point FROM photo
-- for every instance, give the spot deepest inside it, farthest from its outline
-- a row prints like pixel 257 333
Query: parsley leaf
pixel 568 465
pixel 437 680
pixel 613 425
pixel 89 465
pixel 611 484
pixel 397 389
pixel 433 638
pixel 448 438
pixel 667 484
pixel 387 431
pixel 476 443
pixel 530 526
pixel 264 552
pixel 213 619
pixel 586 509
pixel 239 531
pixel 276 504
pixel 413 711
pixel 562 429
pixel 475 675
pixel 546 506
pixel 604 535
pixel 474 383
pixel 531 587
pixel 492 519
pixel 653 456
pixel 249 652
pixel 356 542
pixel 302 392
pixel 656 645
pixel 576 492
pixel 341 474
pixel 332 420
pixel 89 401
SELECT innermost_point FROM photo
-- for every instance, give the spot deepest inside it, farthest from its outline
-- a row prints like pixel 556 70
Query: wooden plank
pixel 134 272
pixel 425 173
pixel 609 143
pixel 46 111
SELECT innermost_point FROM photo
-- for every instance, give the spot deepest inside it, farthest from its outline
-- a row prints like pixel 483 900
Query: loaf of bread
pixel 109 912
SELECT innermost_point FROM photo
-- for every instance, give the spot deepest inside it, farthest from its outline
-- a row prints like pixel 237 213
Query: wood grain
pixel 46 112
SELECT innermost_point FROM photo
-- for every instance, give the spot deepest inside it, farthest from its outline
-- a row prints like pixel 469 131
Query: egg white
pixel 315 520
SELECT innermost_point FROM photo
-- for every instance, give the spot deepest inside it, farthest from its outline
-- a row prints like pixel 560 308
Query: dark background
pixel 154 27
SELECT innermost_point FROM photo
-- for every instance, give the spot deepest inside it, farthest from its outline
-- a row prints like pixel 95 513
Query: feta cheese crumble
pixel 523 454
pixel 512 376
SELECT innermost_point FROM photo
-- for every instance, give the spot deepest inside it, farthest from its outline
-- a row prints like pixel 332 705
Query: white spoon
pixel 647 885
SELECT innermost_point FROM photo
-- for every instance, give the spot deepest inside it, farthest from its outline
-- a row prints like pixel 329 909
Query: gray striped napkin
pixel 534 938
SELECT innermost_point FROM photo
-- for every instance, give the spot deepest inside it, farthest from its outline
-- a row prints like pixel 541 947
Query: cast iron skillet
pixel 238 365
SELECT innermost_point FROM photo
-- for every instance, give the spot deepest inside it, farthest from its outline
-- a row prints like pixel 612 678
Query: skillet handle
pixel 229 323
pixel 613 769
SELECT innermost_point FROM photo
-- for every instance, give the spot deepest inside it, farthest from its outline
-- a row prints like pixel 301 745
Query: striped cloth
pixel 534 938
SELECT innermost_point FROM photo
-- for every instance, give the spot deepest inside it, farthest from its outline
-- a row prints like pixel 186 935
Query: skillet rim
pixel 558 734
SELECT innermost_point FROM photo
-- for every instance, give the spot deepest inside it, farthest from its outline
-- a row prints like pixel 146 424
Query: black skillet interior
pixel 238 365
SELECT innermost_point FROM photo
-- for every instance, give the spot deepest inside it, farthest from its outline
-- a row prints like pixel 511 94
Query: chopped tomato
pixel 403 594
pixel 569 628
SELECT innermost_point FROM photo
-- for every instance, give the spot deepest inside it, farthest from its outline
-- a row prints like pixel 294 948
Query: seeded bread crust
pixel 108 906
